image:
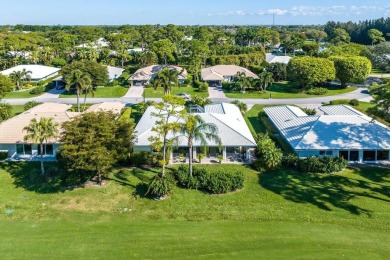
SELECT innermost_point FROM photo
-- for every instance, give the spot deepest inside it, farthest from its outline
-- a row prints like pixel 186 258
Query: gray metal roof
pixel 232 128
pixel 327 132
pixel 340 110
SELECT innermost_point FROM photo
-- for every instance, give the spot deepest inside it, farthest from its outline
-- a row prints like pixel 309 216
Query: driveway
pixel 53 93
pixel 134 92
pixel 216 93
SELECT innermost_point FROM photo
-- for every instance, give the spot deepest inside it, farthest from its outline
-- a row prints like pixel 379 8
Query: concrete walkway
pixel 134 92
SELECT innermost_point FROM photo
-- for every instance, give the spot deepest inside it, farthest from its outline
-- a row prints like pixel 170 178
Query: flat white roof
pixel 232 128
pixel 344 128
pixel 37 71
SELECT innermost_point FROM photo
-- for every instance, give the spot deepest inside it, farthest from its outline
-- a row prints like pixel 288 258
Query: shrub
pixel 354 102
pixel 322 164
pixel 229 85
pixel 290 160
pixel 145 158
pixel 339 102
pixel 30 104
pixel 161 186
pixel 126 114
pixel 38 90
pixel 309 111
pixel 3 155
pixel 213 182
pixel 317 91
pixel 203 87
pixel 269 156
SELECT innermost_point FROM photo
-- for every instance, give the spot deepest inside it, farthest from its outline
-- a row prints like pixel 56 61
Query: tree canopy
pixel 351 69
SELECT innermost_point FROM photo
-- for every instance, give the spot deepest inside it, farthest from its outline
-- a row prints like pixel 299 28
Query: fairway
pixel 280 214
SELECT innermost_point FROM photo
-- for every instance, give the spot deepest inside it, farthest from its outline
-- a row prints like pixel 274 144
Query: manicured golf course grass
pixel 279 214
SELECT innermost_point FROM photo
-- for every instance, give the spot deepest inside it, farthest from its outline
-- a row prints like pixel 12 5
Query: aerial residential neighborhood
pixel 204 129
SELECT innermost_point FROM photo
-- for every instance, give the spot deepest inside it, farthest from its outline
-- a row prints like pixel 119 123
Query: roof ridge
pixel 212 114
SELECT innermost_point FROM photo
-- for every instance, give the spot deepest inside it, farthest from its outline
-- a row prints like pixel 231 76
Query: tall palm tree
pixel 17 77
pixel 88 88
pixel 166 78
pixel 39 132
pixel 194 128
pixel 243 80
pixel 78 80
pixel 26 75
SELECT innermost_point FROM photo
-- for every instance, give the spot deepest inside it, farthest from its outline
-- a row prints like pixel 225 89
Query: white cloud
pixel 312 11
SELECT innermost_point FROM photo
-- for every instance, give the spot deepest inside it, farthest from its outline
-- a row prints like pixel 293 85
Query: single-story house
pixel 101 42
pixel 38 72
pixel 12 134
pixel 224 73
pixel 237 140
pixel 114 73
pixel 145 75
pixel 270 58
pixel 340 131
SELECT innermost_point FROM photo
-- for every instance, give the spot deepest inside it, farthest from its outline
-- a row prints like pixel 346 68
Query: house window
pixel 329 153
pixel 28 149
pixel 354 155
pixel 322 152
pixel 47 149
pixel 368 155
pixel 344 154
pixel 382 155
pixel 19 149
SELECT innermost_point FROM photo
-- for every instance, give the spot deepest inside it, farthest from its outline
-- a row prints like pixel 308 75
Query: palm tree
pixel 166 78
pixel 266 79
pixel 39 132
pixel 17 77
pixel 88 88
pixel 78 80
pixel 194 128
pixel 243 80
pixel 26 75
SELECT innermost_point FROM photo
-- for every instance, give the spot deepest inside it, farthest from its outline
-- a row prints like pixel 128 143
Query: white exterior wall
pixel 11 148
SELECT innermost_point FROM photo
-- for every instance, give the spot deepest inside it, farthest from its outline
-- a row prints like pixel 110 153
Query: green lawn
pixel 280 214
pixel 378 71
pixel 17 109
pixel 20 94
pixel 285 90
pixel 159 92
pixel 101 92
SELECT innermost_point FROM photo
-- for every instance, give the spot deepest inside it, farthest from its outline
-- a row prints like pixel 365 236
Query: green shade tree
pixel 6 85
pixel 265 80
pixel 93 142
pixel 97 72
pixel 40 132
pixel 164 49
pixel 376 36
pixel 339 36
pixel 351 69
pixel 244 81
pixel 5 111
pixel 309 71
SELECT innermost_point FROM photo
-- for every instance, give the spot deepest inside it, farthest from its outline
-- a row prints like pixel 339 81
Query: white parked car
pixel 185 96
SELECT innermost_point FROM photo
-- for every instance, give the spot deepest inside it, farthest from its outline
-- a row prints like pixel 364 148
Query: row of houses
pixel 339 131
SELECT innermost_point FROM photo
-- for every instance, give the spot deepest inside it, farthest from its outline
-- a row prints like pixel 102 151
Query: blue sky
pixel 193 12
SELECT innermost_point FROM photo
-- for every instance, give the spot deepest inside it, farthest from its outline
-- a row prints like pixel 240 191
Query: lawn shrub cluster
pixel 126 113
pixel 317 91
pixel 161 186
pixel 213 182
pixel 230 86
pixel 354 102
pixel 202 86
pixel 145 158
pixel 315 164
pixel 3 155
pixel 339 102
pixel 30 104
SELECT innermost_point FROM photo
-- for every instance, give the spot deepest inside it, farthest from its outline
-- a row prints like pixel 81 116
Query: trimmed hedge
pixel 339 102
pixel 213 182
pixel 126 114
pixel 315 164
pixel 145 158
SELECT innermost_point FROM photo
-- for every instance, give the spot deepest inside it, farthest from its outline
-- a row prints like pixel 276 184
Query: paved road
pixel 360 93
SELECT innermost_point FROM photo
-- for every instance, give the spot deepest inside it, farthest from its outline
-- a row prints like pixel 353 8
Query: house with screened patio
pixel 339 131
pixel 237 141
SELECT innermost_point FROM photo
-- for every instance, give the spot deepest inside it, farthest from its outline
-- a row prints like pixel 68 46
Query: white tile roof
pixel 37 71
pixel 232 128
pixel 149 72
pixel 219 71
pixel 348 130
pixel 114 107
pixel 114 72
pixel 270 58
